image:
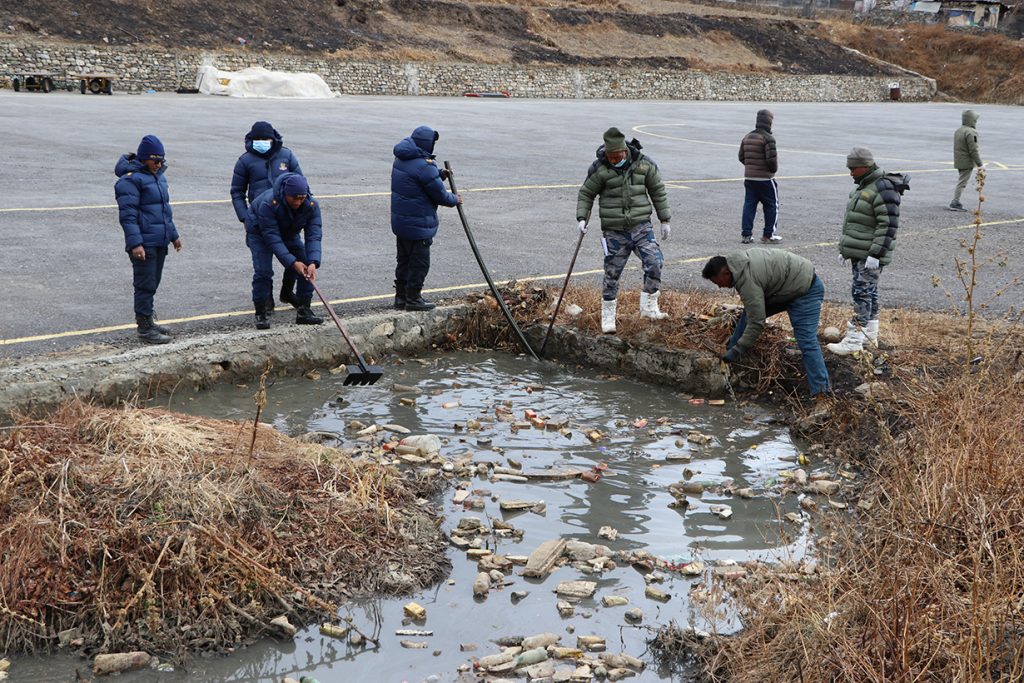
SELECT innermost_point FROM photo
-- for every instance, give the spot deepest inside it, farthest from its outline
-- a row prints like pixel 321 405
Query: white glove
pixel 583 227
pixel 842 260
pixel 871 263
pixel 666 231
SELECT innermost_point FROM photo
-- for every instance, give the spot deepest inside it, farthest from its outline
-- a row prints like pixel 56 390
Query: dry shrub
pixel 928 586
pixel 150 530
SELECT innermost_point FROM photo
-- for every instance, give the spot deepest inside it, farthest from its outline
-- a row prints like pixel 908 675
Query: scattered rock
pixel 283 626
pixel 415 611
pixel 119 661
pixel 576 589
pixel 608 532
pixel 543 559
pixel 634 615
pixel 723 511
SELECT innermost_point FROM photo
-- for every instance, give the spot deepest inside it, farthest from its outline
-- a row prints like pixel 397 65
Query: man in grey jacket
pixel 771 281
pixel 966 156
pixel 760 163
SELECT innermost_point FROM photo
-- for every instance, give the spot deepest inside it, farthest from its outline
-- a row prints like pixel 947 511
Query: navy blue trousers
pixel 263 269
pixel 146 278
pixel 765 193
pixel 412 263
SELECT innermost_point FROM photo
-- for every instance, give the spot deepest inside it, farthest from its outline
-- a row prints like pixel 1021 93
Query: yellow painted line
pixel 674 184
pixel 437 290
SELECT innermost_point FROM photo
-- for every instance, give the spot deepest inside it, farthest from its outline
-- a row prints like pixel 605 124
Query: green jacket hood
pixel 969 118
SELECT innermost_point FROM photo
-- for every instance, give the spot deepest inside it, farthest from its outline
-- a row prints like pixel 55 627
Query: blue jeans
pixel 263 269
pixel 146 278
pixel 765 193
pixel 804 315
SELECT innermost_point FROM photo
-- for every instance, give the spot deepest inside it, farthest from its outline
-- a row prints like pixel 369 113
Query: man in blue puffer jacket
pixel 417 189
pixel 275 225
pixel 144 210
pixel 265 159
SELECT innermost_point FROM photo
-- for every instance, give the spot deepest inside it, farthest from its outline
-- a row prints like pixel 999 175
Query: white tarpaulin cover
pixel 256 81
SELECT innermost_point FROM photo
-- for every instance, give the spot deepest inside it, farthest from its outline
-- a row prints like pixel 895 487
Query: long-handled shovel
pixel 487 275
pixel 357 374
pixel 565 285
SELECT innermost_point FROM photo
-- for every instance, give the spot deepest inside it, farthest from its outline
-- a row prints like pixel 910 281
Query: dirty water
pixel 747 446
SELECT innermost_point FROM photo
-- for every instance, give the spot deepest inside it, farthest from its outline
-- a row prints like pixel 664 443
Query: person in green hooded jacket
pixel 966 156
pixel 770 281
pixel 630 188
pixel 867 242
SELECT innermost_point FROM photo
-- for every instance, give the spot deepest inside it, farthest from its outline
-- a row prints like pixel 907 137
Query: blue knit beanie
pixel 295 185
pixel 150 148
pixel 261 130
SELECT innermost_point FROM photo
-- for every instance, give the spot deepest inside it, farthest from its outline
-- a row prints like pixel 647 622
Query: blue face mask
pixel 621 163
pixel 261 146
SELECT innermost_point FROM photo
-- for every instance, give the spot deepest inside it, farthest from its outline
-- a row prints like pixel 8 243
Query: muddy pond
pixel 642 459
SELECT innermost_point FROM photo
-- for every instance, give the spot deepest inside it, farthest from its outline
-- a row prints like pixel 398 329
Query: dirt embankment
pixel 967 66
pixel 595 33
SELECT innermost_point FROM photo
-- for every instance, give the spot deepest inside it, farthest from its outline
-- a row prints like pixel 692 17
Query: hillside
pixel 652 33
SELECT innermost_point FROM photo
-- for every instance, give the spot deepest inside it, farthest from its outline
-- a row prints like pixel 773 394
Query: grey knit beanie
pixel 860 156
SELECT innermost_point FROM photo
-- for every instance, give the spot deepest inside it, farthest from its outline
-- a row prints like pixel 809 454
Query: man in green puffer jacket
pixel 966 156
pixel 868 240
pixel 630 188
pixel 770 281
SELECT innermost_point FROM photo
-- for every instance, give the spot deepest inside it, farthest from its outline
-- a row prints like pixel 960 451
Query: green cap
pixel 614 140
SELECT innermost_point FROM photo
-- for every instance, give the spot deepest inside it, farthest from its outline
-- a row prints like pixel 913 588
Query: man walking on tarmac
pixel 264 159
pixel 417 189
pixel 760 163
pixel 628 183
pixel 770 281
pixel 275 225
pixel 966 156
pixel 144 210
pixel 868 240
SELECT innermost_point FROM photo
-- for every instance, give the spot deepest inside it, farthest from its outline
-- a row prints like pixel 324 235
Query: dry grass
pixel 154 531
pixel 928 585
pixel 972 67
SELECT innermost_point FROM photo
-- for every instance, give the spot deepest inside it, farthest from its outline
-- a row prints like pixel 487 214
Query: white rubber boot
pixel 608 316
pixel 649 306
pixel 851 343
pixel 871 332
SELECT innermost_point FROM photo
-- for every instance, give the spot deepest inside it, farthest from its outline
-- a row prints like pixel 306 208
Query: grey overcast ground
pixel 518 163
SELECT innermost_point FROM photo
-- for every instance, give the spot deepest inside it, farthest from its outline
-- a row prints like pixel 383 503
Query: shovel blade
pixel 357 376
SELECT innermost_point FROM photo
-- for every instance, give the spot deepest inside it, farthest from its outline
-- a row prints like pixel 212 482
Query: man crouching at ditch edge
pixel 275 225
pixel 771 281
pixel 144 210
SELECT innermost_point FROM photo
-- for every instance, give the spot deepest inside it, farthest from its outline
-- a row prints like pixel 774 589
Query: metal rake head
pixel 363 376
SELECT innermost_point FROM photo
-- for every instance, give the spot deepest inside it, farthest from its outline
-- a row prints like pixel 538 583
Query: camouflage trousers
pixel 617 248
pixel 865 293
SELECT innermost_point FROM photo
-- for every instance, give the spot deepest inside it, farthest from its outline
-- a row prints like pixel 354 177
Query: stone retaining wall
pixel 166 70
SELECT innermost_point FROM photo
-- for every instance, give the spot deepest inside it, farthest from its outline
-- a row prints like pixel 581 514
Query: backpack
pixel 900 181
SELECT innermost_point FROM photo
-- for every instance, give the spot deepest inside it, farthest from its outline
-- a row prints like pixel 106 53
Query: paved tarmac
pixel 519 163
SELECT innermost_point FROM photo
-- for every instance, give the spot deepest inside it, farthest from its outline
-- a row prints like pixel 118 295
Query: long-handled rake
pixel 362 373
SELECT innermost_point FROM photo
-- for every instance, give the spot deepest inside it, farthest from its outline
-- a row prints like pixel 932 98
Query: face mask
pixel 621 163
pixel 261 146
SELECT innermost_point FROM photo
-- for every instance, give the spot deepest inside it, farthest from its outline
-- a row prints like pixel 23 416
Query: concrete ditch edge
pixel 689 371
pixel 110 375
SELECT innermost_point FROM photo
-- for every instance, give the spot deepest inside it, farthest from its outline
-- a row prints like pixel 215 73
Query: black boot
pixel 157 326
pixel 270 305
pixel 148 332
pixel 414 301
pixel 287 295
pixel 399 295
pixel 304 315
pixel 262 322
